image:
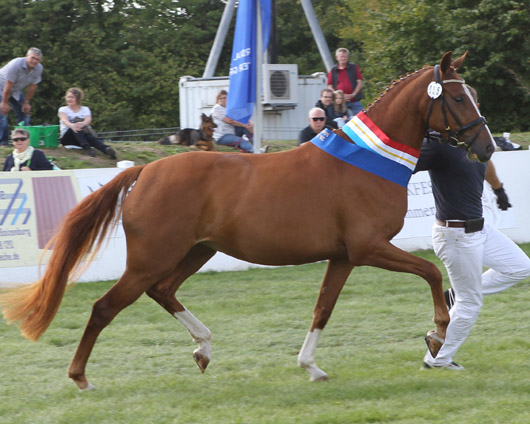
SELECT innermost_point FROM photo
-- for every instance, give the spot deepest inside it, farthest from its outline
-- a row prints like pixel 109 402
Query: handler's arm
pixel 491 176
pixel 493 180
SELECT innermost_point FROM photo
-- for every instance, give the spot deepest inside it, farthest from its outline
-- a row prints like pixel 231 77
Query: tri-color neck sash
pixel 373 151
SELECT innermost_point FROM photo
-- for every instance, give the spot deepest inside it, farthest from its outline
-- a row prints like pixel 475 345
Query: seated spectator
pixel 225 133
pixel 75 129
pixel 326 99
pixel 25 157
pixel 338 110
pixel 317 122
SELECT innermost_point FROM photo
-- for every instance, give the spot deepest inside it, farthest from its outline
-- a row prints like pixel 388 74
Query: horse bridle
pixel 452 136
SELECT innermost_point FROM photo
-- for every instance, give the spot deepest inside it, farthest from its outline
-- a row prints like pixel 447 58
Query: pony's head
pixel 454 113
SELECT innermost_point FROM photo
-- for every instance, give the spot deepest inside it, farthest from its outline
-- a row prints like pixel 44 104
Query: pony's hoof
pixel 316 374
pixel 90 386
pixel 434 343
pixel 321 378
pixel 84 384
pixel 201 361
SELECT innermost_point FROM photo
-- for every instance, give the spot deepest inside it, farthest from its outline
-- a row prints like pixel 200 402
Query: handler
pixel 465 243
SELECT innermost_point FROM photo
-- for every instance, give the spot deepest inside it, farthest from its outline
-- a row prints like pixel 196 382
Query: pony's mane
pixel 395 82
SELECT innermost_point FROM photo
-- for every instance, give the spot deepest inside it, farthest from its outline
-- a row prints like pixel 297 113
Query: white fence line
pixel 513 169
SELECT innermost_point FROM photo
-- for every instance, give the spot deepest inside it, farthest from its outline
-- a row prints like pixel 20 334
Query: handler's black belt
pixel 471 225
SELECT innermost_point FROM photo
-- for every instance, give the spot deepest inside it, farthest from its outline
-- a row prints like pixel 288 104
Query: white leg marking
pixel 306 357
pixel 199 332
pixel 89 387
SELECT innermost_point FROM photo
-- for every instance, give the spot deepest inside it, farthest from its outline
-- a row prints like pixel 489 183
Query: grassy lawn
pixel 145 152
pixel 372 350
pixel 140 153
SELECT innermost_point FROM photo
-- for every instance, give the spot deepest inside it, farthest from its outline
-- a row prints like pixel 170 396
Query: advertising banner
pixel 32 205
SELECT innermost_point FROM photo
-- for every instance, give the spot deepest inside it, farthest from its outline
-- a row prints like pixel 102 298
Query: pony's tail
pixel 34 306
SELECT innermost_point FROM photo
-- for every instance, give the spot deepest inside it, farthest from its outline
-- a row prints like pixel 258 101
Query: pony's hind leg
pixel 336 275
pixel 164 294
pixel 126 291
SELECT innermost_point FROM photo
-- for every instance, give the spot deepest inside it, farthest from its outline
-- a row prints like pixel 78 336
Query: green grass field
pixel 372 350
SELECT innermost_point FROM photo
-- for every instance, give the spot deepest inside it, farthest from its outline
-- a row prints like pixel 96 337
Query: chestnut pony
pixel 293 207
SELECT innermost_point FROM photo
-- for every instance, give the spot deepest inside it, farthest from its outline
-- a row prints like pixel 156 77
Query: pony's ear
pixel 458 62
pixel 445 63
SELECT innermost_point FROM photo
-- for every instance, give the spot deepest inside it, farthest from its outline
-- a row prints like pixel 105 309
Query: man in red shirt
pixel 347 77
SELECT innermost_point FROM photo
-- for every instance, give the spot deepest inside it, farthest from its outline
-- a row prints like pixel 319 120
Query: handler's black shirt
pixel 457 182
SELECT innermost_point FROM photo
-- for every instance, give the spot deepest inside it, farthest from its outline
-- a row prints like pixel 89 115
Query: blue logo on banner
pixel 242 85
pixel 17 201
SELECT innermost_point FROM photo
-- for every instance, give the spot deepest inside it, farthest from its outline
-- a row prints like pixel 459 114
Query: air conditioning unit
pixel 280 84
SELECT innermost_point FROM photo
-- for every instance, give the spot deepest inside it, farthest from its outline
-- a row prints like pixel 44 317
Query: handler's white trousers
pixel 464 255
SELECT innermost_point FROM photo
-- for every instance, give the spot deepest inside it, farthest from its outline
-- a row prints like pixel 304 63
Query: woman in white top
pixel 74 120
pixel 225 133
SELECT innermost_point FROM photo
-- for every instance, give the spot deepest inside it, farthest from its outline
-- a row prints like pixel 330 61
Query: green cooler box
pixel 42 135
pixel 49 134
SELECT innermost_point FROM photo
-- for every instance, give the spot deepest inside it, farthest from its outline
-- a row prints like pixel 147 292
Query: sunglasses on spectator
pixel 318 118
pixel 20 139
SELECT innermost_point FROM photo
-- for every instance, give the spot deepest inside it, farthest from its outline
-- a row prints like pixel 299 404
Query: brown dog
pixel 201 139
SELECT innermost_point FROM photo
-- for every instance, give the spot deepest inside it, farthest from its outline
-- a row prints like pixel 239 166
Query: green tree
pixel 296 43
pixel 400 36
pixel 126 55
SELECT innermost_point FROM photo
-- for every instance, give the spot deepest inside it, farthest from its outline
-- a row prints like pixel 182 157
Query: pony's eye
pixel 459 99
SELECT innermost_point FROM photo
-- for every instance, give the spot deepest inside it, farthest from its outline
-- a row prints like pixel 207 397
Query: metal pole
pixel 258 124
pixel 317 34
pixel 220 37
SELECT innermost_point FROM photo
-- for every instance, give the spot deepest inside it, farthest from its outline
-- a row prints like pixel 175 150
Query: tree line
pixel 128 55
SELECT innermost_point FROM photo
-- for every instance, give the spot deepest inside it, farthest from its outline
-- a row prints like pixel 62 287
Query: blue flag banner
pixel 242 85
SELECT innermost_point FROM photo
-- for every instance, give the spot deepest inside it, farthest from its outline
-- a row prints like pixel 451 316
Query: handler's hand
pixel 502 199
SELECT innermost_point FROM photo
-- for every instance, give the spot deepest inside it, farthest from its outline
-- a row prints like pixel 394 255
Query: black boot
pixel 89 151
pixel 449 295
pixel 109 151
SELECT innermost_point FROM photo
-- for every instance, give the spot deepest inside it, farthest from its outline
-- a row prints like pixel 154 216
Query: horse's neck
pixel 398 112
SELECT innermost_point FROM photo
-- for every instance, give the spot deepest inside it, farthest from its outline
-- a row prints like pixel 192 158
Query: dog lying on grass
pixel 201 139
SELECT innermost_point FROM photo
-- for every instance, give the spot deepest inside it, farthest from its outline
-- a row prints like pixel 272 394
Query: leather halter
pixel 453 136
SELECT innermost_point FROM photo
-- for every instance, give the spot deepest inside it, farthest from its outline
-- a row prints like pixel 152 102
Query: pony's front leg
pixel 200 334
pixel 387 256
pixel 306 357
pixel 336 275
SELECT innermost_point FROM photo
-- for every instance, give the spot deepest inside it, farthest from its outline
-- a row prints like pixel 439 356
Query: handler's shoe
pixel 453 366
pixel 449 298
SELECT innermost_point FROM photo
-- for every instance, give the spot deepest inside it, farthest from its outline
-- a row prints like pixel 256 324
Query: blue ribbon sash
pixel 392 169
